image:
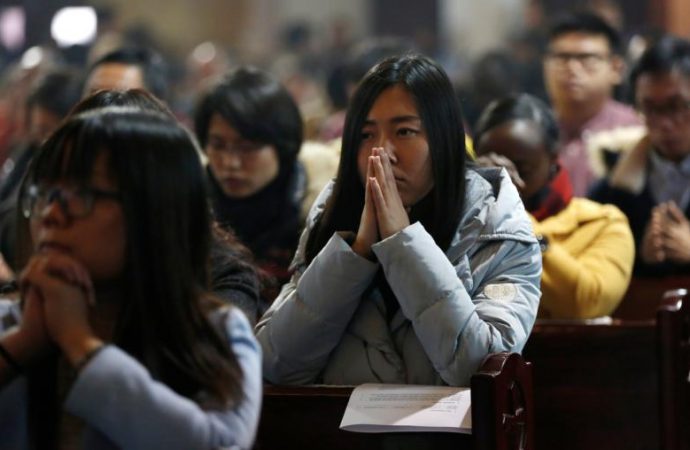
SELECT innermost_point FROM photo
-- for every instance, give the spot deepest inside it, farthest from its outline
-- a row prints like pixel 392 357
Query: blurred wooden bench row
pixel 622 385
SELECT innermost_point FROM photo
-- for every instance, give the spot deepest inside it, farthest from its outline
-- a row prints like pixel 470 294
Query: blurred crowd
pixel 579 66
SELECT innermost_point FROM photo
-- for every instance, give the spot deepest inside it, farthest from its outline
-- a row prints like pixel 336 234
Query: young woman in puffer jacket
pixel 413 267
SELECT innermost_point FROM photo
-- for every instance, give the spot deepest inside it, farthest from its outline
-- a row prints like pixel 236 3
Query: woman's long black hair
pixel 165 304
pixel 441 118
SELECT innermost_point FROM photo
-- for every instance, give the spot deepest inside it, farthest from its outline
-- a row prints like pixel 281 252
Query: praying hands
pixel 384 213
pixel 667 237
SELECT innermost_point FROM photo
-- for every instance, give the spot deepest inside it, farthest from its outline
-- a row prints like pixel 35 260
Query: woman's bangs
pixel 68 157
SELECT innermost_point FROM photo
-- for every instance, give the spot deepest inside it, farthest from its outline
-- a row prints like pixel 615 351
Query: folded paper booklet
pixel 380 408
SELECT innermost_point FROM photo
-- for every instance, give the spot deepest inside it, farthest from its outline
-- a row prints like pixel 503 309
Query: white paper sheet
pixel 378 408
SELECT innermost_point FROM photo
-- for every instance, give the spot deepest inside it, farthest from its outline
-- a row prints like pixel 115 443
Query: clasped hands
pixel 667 237
pixel 56 293
pixel 384 213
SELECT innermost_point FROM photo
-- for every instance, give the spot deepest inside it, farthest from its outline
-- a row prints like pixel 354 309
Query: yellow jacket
pixel 589 260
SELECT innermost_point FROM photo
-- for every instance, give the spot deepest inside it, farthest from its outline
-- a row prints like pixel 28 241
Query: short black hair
pixel 255 104
pixel 587 23
pixel 359 60
pixel 134 98
pixel 153 67
pixel 370 52
pixel 668 54
pixel 520 107
pixel 56 91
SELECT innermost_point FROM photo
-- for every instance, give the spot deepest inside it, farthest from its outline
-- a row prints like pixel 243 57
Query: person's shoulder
pixel 492 199
pixel 489 184
pixel 617 114
pixel 587 210
pixel 320 203
pixel 320 161
pixel 319 156
pixel 622 108
pixel 230 320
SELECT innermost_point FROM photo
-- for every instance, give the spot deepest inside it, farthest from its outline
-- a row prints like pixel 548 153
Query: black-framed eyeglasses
pixel 675 109
pixel 74 202
pixel 243 148
pixel 589 61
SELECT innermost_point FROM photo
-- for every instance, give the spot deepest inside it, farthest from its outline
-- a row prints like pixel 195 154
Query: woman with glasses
pixel 251 131
pixel 413 267
pixel 117 342
pixel 234 278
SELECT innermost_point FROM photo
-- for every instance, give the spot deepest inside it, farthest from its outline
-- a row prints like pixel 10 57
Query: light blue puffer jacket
pixel 480 296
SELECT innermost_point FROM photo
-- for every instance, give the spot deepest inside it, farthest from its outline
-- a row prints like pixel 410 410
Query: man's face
pixel 579 68
pixel 664 100
pixel 114 76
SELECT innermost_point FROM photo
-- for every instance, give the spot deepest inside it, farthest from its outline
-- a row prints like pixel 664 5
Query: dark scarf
pixel 552 198
pixel 268 220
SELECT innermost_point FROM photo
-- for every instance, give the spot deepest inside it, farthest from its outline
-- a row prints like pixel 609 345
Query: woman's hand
pixel 65 289
pixel 391 216
pixel 29 341
pixel 676 235
pixel 367 233
pixel 33 326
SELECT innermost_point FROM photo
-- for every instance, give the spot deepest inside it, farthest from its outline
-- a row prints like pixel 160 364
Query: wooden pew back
pixel 673 320
pixel 308 417
pixel 595 386
pixel 644 296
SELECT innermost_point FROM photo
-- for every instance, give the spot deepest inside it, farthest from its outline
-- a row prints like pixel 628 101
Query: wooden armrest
pixel 502 405
pixel 673 336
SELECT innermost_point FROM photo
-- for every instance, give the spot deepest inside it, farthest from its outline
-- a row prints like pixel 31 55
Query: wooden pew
pixel 308 417
pixel 673 327
pixel 595 386
pixel 644 295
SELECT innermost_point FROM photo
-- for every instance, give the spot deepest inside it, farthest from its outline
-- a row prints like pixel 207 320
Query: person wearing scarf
pixel 251 131
pixel 587 247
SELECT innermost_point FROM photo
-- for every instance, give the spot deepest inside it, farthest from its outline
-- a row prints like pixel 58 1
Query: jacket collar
pixel 630 172
pixel 493 211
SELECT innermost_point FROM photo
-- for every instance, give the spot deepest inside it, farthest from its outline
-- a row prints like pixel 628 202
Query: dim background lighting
pixel 32 57
pixel 12 27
